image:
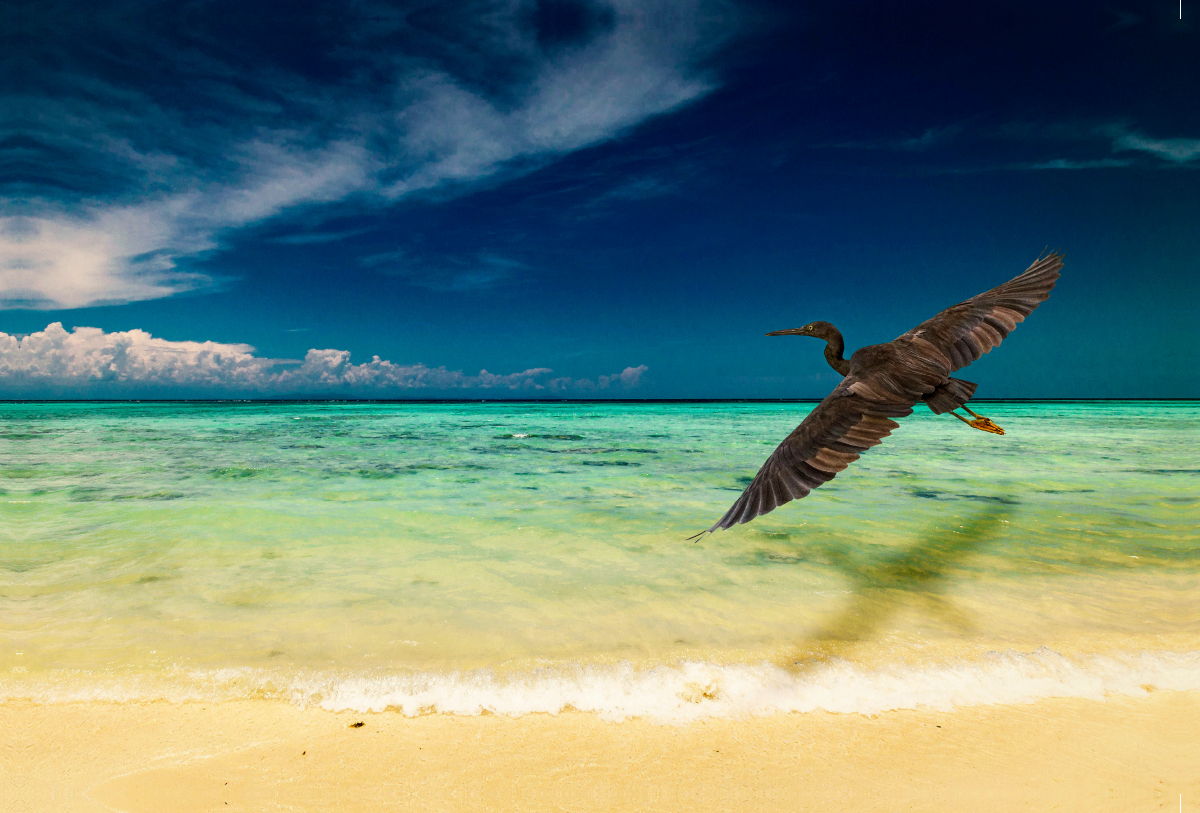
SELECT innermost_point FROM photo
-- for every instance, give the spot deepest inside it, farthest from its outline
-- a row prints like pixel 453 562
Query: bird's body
pixel 885 381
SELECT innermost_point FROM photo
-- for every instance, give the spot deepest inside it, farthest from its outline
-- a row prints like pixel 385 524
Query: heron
pixel 885 381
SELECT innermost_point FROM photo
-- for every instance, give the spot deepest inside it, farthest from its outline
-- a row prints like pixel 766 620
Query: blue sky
pixel 587 199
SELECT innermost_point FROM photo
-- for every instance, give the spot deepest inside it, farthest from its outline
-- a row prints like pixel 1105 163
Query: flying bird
pixel 885 381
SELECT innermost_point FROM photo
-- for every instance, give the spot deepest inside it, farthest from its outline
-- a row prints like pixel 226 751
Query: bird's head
pixel 820 330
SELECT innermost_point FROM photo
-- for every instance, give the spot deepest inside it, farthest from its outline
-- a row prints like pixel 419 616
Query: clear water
pixel 532 557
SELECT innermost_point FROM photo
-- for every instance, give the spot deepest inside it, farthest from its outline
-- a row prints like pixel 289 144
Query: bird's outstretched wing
pixel 964 332
pixel 834 434
pixel 857 414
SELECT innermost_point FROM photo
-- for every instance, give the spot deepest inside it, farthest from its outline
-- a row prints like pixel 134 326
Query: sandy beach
pixel 1123 754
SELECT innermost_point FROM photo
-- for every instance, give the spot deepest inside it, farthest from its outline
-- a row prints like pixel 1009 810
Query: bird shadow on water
pixel 914 578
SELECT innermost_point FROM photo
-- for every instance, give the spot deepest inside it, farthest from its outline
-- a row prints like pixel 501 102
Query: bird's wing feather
pixel 964 332
pixel 834 434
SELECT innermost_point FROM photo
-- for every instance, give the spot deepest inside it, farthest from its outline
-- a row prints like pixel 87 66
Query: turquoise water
pixel 532 557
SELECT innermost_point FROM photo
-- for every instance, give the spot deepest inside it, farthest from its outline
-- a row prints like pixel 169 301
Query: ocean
pixel 511 558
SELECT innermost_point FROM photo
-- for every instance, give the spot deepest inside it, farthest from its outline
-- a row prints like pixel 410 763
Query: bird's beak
pixel 795 331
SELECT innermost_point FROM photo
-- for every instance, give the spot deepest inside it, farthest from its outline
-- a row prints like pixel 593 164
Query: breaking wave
pixel 678 694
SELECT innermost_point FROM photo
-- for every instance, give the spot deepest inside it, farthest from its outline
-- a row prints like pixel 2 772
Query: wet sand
pixel 259 755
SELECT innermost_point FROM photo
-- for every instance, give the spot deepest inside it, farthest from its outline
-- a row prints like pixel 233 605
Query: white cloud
pixel 1093 144
pixel 629 377
pixel 1177 150
pixel 98 254
pixel 87 359
pixel 88 355
pixel 1066 163
pixel 184 188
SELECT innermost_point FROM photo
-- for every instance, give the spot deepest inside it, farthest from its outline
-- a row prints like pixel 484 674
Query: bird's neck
pixel 834 347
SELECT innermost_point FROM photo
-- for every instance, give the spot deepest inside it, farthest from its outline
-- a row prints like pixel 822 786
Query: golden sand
pixel 1122 755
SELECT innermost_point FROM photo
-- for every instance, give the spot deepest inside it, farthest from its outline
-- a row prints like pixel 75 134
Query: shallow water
pixel 520 557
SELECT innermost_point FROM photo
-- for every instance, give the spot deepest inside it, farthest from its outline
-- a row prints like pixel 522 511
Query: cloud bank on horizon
pixel 89 361
pixel 376 102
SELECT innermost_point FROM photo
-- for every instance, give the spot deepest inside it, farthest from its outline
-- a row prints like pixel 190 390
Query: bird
pixel 885 381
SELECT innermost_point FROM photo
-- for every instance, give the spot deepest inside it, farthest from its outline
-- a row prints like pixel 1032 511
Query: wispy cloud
pixel 88 360
pixel 643 188
pixel 314 237
pixel 1065 163
pixel 478 271
pixel 931 138
pixel 71 256
pixel 1093 145
pixel 1090 145
pixel 1175 150
pixel 136 185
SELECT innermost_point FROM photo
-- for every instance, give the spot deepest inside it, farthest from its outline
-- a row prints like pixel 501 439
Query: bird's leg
pixel 981 423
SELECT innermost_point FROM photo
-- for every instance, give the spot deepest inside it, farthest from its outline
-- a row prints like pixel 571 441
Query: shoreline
pixel 817 680
pixel 1122 753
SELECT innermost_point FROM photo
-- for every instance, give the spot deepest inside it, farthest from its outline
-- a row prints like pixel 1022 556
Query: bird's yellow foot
pixel 985 425
pixel 981 423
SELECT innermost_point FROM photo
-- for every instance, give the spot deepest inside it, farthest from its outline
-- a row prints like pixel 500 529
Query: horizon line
pixel 332 400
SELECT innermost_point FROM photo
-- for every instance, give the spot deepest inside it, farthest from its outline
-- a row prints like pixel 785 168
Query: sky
pixel 588 199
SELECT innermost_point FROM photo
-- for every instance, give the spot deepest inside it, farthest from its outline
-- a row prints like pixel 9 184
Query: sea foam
pixel 677 694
